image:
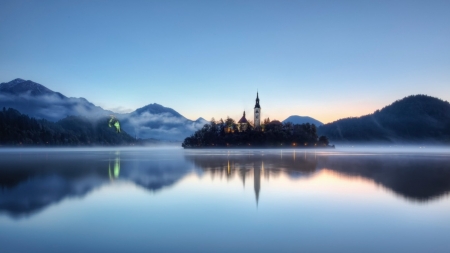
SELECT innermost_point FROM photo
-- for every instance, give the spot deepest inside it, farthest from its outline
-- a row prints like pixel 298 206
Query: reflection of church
pixel 256 164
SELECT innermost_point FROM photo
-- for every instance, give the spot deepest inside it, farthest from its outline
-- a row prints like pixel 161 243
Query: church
pixel 243 124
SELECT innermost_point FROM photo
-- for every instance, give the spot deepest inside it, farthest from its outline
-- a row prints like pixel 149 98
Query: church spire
pixel 257 111
pixel 257 101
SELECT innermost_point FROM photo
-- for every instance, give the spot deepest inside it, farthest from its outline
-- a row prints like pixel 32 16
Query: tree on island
pixel 275 134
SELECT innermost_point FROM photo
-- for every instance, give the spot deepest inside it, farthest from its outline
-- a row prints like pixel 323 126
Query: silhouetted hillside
pixel 414 119
pixel 19 129
pixel 152 121
pixel 295 119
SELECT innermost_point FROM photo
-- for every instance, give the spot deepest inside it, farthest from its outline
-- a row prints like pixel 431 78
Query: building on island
pixel 243 123
pixel 257 113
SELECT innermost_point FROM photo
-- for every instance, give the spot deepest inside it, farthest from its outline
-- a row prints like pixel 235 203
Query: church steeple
pixel 257 101
pixel 257 112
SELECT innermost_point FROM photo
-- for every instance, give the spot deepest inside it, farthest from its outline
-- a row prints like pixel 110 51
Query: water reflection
pixel 32 181
pixel 417 177
pixel 115 170
pixel 254 164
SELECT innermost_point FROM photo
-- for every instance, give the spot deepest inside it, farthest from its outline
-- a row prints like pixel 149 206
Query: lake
pixel 174 200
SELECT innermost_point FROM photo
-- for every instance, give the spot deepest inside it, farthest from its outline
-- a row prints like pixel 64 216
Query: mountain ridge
pixel 415 118
pixel 296 119
pixel 152 121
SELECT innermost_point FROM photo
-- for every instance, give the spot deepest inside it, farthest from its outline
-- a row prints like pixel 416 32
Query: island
pixel 256 134
pixel 270 134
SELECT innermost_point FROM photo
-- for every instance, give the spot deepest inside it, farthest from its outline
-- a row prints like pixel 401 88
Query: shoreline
pixel 264 147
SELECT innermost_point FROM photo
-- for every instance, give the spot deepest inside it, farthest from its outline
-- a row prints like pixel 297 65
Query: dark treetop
pixel 274 134
pixel 19 129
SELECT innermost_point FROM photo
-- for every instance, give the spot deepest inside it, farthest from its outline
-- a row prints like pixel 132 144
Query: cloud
pixel 160 126
pixel 163 118
pixel 120 110
pixel 53 106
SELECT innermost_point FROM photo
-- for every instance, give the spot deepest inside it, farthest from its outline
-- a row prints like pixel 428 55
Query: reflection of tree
pixel 248 163
pixel 34 182
pixel 115 171
pixel 415 177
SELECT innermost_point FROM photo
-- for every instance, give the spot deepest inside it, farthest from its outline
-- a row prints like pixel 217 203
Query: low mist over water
pixel 351 199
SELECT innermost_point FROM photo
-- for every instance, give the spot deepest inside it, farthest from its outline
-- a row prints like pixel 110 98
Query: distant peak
pixel 201 119
pixel 17 80
pixel 20 86
pixel 157 109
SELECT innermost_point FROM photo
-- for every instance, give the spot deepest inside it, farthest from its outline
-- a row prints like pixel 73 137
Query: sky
pixel 323 59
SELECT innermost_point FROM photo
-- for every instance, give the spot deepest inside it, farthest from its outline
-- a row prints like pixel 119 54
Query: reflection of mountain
pixel 245 164
pixel 416 177
pixel 30 182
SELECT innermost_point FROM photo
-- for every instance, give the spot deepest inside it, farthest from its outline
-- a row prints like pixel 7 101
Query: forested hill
pixel 414 119
pixel 17 129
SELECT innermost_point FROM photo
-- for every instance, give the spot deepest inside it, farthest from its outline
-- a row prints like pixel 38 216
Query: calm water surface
pixel 171 200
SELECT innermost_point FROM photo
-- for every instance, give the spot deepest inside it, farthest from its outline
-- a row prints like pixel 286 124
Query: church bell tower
pixel 257 112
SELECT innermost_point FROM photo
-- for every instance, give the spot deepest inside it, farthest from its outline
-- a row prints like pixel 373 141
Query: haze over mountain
pixel 152 121
pixel 159 122
pixel 418 118
pixel 295 119
pixel 40 102
pixel 413 119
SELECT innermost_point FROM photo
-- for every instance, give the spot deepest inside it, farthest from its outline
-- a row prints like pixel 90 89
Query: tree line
pixel 17 129
pixel 274 134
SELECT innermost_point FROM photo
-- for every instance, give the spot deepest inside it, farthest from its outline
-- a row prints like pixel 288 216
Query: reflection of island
pixel 248 163
pixel 30 182
pixel 414 177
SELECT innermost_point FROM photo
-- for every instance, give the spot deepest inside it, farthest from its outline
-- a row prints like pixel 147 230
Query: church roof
pixel 243 119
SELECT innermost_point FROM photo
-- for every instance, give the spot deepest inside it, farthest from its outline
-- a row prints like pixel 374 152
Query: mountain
pixel 40 102
pixel 295 119
pixel 156 121
pixel 152 121
pixel 413 119
pixel 19 129
pixel 19 86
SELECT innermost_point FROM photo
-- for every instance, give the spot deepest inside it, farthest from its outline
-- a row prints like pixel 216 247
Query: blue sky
pixel 324 59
